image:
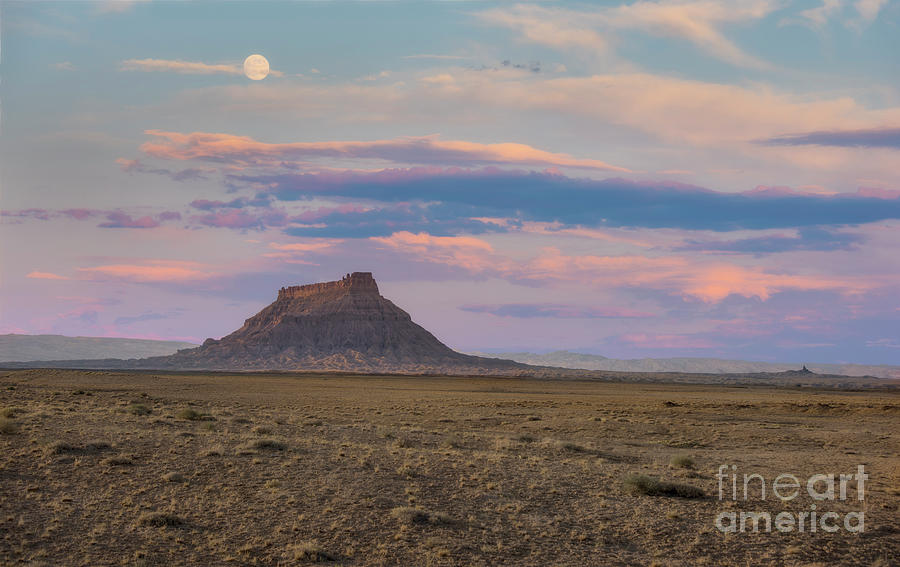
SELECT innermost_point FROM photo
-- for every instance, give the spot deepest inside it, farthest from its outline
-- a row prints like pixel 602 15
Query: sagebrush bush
pixel 682 461
pixel 409 515
pixel 139 409
pixel 8 426
pixel 189 414
pixel 649 486
pixel 264 444
pixel 311 552
pixel 160 520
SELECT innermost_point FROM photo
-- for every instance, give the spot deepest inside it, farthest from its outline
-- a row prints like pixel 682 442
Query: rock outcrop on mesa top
pixel 340 325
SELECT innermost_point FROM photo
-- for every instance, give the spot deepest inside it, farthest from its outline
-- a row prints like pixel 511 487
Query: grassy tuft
pixel 10 412
pixel 264 444
pixel 311 552
pixel 139 409
pixel 120 461
pixel 682 462
pixel 8 426
pixel 189 414
pixel 409 515
pixel 649 486
pixel 160 520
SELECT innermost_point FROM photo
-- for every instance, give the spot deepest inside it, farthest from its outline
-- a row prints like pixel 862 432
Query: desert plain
pixel 145 468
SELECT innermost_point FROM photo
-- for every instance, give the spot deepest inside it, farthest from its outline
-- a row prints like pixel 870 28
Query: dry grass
pixel 10 412
pixel 118 461
pixel 160 520
pixel 189 414
pixel 423 470
pixel 139 409
pixel 649 486
pixel 682 462
pixel 264 445
pixel 8 426
pixel 311 552
pixel 409 515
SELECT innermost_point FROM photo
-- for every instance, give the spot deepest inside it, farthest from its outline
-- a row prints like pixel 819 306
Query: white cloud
pixel 116 6
pixel 868 9
pixel 698 21
pixel 178 66
pixel 820 15
pixel 185 67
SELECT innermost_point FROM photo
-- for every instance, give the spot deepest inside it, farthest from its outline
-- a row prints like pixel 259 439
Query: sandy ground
pixel 110 468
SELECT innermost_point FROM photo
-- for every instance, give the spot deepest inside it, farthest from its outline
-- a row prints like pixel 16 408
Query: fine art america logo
pixel 822 488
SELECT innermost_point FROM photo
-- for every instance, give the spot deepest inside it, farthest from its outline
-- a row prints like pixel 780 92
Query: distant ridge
pixel 22 348
pixel 568 359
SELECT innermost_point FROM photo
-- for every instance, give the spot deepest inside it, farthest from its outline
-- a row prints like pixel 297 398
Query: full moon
pixel 256 67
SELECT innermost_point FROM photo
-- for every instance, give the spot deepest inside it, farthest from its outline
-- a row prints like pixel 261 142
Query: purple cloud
pixel 137 166
pixel 810 238
pixel 547 197
pixel 119 219
pixel 556 310
pixel 237 203
pixel 865 138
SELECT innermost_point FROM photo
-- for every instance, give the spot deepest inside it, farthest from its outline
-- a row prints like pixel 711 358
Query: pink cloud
pixel 117 219
pixel 186 67
pixel 304 246
pixel 45 276
pixel 466 252
pixel 151 272
pixel 878 193
pixel 79 214
pixel 243 150
pixel 293 252
pixel 182 67
pixel 701 279
pixel 708 282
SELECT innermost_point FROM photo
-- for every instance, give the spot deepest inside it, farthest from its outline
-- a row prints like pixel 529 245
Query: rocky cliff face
pixel 340 325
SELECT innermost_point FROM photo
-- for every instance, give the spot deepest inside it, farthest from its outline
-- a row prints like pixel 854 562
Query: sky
pixel 701 178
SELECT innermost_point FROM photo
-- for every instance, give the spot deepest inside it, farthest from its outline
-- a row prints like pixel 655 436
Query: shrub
pixel 121 461
pixel 312 552
pixel 189 414
pixel 10 412
pixel 96 446
pixel 61 447
pixel 682 462
pixel 174 477
pixel 264 444
pixel 409 515
pixel 214 451
pixel 160 520
pixel 139 409
pixel 649 486
pixel 8 426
